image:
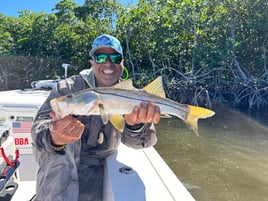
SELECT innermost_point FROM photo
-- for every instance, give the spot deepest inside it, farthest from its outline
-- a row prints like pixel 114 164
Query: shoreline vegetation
pixel 207 52
pixel 252 95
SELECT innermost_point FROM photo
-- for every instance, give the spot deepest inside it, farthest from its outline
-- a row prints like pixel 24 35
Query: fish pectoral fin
pixel 126 84
pixel 118 122
pixel 104 116
pixel 156 88
pixel 196 113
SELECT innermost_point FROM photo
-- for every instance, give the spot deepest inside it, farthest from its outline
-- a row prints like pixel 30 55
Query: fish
pixel 112 103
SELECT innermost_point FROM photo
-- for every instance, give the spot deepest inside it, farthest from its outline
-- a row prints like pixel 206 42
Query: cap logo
pixel 104 40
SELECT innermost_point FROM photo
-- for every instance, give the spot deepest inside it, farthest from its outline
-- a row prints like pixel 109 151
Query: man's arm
pixel 45 124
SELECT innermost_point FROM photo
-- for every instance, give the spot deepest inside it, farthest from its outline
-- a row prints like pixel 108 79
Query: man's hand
pixel 145 113
pixel 66 130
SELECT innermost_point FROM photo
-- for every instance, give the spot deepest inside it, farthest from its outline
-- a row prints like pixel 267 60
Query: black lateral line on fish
pixel 148 99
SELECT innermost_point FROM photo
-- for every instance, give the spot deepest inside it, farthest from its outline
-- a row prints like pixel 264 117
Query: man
pixel 71 151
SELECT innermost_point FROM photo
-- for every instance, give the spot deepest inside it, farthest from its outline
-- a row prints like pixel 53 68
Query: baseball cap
pixel 106 40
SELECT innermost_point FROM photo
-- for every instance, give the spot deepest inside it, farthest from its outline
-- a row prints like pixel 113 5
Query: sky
pixel 11 7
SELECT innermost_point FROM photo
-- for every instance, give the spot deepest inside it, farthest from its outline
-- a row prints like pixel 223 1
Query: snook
pixel 111 103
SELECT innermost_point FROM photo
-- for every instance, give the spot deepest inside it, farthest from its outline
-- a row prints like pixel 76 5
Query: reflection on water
pixel 227 162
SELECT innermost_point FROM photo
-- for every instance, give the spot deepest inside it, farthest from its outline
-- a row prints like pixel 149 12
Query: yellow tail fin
pixel 196 113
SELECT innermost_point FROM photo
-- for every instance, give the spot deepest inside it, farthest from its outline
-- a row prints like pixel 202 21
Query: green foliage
pixel 220 46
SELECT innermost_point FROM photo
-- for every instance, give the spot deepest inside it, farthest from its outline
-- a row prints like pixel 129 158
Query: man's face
pixel 108 73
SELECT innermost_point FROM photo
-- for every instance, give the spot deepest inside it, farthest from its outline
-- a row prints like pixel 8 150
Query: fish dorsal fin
pixel 126 84
pixel 156 88
pixel 118 122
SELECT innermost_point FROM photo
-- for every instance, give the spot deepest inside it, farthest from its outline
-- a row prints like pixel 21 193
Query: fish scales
pixel 135 97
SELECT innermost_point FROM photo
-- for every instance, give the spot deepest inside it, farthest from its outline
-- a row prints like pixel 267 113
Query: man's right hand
pixel 66 130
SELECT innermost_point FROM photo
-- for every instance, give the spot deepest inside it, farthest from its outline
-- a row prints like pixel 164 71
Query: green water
pixel 227 162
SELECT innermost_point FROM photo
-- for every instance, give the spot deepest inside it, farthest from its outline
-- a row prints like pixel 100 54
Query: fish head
pixel 82 103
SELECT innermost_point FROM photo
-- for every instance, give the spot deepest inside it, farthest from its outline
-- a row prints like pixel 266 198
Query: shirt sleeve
pixel 142 138
pixel 40 130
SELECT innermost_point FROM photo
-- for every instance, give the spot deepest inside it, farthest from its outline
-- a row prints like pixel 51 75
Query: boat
pixel 129 174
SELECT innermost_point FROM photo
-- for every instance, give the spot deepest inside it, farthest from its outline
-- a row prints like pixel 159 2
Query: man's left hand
pixel 147 112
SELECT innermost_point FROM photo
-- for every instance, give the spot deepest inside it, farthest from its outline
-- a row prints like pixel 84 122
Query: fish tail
pixel 196 113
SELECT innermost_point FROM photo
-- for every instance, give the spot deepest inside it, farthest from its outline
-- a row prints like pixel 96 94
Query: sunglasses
pixel 102 58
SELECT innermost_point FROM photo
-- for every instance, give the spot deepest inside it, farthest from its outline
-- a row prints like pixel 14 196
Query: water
pixel 227 162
